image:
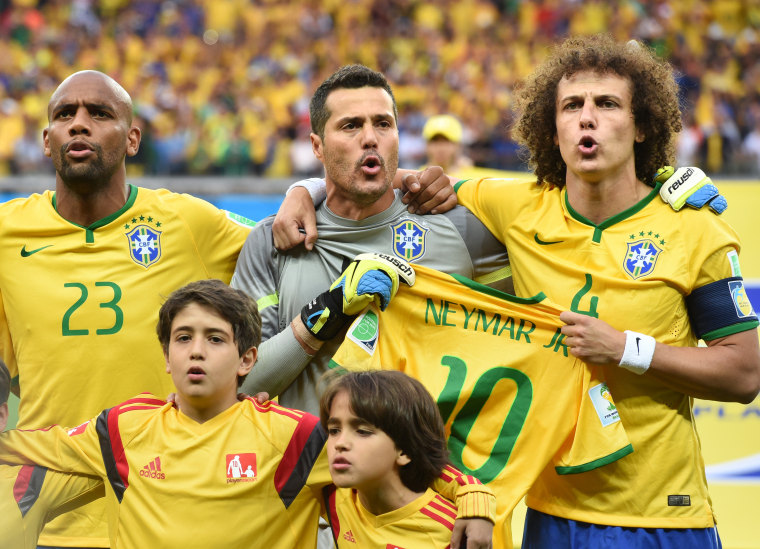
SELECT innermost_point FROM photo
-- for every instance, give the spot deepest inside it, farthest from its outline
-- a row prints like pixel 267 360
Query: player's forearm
pixel 727 370
pixel 281 360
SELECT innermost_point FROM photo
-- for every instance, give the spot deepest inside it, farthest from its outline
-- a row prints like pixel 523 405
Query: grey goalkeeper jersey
pixel 283 282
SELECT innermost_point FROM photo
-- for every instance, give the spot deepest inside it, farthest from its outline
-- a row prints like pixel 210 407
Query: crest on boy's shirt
pixel 241 467
pixel 641 258
pixel 144 245
pixel 409 239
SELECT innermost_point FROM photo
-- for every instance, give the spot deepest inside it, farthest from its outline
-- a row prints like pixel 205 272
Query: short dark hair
pixel 5 383
pixel 654 102
pixel 235 306
pixel 404 410
pixel 347 77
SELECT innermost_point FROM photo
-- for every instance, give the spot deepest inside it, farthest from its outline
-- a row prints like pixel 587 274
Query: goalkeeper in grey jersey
pixel 354 135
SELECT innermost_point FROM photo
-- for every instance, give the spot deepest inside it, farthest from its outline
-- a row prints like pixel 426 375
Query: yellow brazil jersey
pixel 425 523
pixel 512 399
pixel 30 495
pixel 251 476
pixel 635 271
pixel 79 306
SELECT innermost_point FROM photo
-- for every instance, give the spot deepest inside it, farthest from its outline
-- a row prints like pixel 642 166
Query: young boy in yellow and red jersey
pixel 386 444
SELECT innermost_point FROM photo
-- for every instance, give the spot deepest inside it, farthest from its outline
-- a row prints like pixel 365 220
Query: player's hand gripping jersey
pixel 671 275
pixel 512 398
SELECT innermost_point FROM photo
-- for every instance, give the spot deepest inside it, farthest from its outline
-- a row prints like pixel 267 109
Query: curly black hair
pixel 655 102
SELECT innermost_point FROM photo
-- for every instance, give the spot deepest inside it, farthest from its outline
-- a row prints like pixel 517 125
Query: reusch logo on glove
pixel 396 262
pixel 681 180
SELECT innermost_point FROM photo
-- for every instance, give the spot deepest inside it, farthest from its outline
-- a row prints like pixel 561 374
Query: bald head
pixel 98 81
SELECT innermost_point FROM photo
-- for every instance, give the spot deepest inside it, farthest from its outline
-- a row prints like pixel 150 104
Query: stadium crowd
pixel 222 86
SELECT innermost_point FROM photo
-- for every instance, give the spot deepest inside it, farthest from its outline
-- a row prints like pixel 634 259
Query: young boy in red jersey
pixel 245 472
pixel 385 445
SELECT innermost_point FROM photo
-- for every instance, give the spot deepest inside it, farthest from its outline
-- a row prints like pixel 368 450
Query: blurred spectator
pixel 220 84
pixel 443 136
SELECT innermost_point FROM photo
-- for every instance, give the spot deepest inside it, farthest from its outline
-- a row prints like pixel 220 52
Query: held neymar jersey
pixel 283 282
pixel 648 269
pixel 512 399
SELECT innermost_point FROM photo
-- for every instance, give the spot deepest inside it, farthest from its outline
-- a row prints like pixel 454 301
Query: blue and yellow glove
pixel 690 187
pixel 369 278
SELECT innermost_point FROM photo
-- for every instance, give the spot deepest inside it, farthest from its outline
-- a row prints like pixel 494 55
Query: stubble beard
pixel 86 176
pixel 349 177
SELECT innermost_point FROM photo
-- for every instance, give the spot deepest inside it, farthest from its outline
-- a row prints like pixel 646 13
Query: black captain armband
pixel 720 309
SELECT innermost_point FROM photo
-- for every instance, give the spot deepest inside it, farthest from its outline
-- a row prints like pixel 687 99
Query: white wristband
pixel 638 353
pixel 316 188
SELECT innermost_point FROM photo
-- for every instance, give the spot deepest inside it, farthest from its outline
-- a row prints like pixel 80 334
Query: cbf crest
pixel 409 239
pixel 641 258
pixel 144 245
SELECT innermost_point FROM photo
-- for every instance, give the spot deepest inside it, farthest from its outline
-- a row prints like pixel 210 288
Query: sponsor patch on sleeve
pixel 604 405
pixel 364 331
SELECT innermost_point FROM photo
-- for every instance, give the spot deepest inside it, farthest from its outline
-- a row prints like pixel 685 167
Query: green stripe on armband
pixel 268 301
pixel 591 465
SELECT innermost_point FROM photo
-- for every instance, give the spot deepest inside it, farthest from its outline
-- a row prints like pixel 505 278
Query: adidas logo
pixel 153 470
pixel 349 536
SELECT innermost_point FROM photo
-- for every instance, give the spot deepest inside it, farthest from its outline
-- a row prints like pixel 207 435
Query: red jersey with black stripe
pixel 425 523
pixel 252 475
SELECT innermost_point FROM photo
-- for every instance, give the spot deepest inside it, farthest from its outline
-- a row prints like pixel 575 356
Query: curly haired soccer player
pixel 642 282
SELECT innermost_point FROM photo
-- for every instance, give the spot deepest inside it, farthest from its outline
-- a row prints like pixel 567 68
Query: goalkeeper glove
pixel 690 187
pixel 369 278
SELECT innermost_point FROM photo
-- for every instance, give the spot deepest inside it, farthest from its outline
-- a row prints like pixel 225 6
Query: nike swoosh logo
pixel 638 351
pixel 25 253
pixel 543 242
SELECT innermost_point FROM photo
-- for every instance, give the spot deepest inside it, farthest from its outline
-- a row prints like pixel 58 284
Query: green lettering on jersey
pixel 465 418
pixel 556 342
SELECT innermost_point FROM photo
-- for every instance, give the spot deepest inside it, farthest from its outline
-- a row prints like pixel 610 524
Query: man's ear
pixel 166 359
pixel 247 361
pixel 317 146
pixel 133 140
pixel 3 416
pixel 45 142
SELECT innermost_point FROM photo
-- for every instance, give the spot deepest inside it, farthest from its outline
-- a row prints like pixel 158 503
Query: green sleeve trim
pixel 459 184
pixel 730 330
pixel 538 298
pixel 494 276
pixel 335 366
pixel 268 301
pixel 591 465
pixel 239 219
